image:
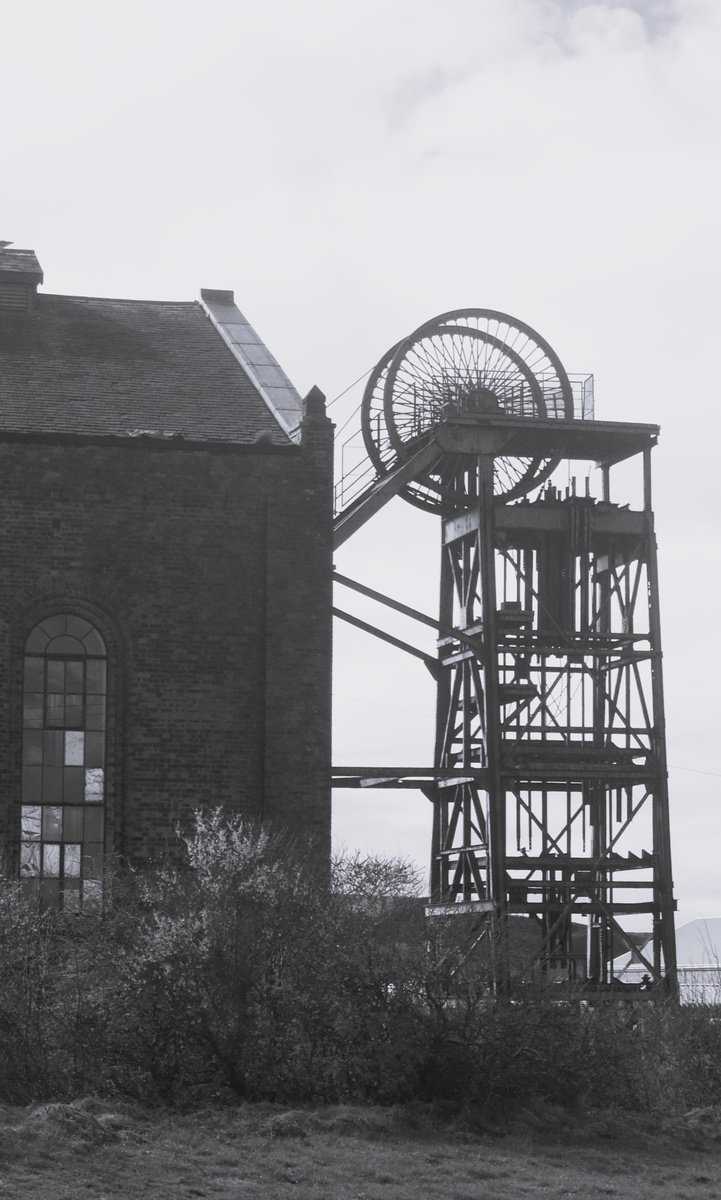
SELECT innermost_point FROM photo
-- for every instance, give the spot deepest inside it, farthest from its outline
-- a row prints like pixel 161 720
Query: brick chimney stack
pixel 20 274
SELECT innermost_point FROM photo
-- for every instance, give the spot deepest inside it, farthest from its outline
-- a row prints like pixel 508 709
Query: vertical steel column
pixel 664 931
pixel 597 790
pixel 496 792
pixel 439 863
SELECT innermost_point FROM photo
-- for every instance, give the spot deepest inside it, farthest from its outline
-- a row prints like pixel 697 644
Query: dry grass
pixel 105 1151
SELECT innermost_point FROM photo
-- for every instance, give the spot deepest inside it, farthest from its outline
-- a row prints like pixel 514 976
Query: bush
pixel 240 974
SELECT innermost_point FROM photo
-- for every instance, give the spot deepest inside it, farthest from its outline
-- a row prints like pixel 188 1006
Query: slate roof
pixel 100 367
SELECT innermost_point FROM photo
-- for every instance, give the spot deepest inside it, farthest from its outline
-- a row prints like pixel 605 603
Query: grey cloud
pixel 658 16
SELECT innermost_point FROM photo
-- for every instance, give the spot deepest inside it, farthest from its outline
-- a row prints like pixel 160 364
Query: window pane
pixel 30 858
pixel 73 823
pixel 55 709
pixel 51 860
pixel 52 823
pixel 71 862
pixel 77 626
pixel 95 674
pixel 73 712
pixel 53 748
pixel 30 822
pixel 74 749
pixel 92 895
pixel 52 785
pixel 53 626
pixel 65 645
pixel 32 781
pixel 36 642
pixel 33 710
pixel 94 644
pixel 34 674
pixel 92 861
pixel 95 715
pixel 94 785
pixel 93 825
pixel 94 749
pixel 50 893
pixel 74 673
pixel 73 785
pixel 33 746
pixel 56 675
pixel 71 896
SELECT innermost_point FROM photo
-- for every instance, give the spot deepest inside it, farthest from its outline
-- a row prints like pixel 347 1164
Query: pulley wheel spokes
pixel 465 363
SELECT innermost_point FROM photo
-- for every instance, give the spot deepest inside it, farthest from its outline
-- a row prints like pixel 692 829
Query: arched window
pixel 63 784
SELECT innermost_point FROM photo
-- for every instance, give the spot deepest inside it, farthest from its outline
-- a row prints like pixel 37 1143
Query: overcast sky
pixel 350 173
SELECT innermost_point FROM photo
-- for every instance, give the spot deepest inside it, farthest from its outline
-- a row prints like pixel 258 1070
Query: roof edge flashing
pixel 262 368
pixel 217 296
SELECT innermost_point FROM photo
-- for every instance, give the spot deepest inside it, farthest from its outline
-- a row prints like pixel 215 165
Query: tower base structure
pixel 550 697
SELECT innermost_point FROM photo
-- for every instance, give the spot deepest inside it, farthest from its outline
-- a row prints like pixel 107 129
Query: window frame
pixel 63 811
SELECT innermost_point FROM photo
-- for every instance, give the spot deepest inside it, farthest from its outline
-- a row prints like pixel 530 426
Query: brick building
pixel 165 580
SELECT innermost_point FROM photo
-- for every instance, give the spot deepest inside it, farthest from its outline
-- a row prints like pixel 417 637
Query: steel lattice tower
pixel 549 784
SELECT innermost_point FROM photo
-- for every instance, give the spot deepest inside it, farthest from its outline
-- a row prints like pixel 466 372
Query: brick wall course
pixel 209 572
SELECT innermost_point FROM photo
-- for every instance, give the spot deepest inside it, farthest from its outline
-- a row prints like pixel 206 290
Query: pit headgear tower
pixel 549 783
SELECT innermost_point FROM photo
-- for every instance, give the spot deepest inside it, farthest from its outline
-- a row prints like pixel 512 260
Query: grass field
pixel 102 1151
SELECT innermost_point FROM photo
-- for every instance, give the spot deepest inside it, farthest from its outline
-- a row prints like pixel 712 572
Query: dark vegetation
pixel 240 976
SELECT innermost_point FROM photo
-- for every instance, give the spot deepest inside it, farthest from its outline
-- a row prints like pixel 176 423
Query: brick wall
pixel 209 572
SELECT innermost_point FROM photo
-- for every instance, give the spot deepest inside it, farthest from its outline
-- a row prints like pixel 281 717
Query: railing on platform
pixel 354 479
pixel 582 389
pixel 356 473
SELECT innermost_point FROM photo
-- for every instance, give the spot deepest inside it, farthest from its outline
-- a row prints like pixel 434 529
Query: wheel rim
pixel 464 361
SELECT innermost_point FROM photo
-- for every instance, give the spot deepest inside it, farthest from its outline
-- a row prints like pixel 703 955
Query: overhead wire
pixel 340 395
pixel 695 771
pixel 350 386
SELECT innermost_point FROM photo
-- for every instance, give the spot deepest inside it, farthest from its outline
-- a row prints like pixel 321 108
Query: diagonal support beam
pixel 430 662
pixel 381 491
pixel 383 599
pixel 472 643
